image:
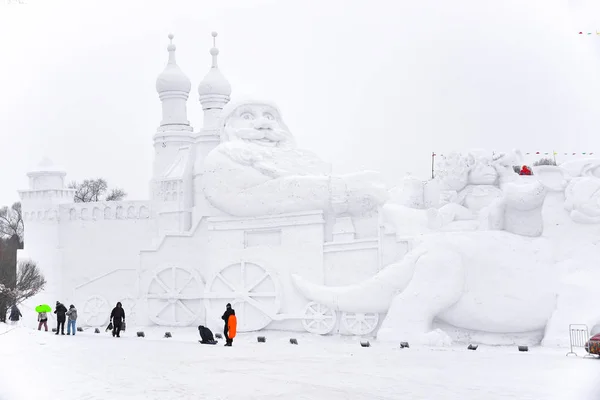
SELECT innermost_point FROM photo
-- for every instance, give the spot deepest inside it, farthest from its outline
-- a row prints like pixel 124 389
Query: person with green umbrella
pixel 42 311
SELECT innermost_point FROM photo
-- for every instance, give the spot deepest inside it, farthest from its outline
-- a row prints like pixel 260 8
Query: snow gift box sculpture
pixel 258 170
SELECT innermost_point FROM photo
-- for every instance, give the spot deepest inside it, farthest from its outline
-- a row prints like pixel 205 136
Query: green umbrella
pixel 43 308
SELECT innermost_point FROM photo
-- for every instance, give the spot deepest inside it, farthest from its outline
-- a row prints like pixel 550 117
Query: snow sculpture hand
pixel 365 192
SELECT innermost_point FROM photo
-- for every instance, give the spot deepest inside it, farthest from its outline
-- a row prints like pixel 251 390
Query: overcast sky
pixel 365 84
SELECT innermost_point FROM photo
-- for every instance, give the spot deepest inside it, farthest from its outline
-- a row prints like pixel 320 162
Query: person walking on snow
pixel 15 315
pixel 117 316
pixel 72 314
pixel 61 316
pixel 230 325
pixel 42 320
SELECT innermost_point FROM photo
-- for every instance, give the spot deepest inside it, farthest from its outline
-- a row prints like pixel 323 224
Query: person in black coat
pixel 206 335
pixel 61 317
pixel 229 311
pixel 15 314
pixel 117 316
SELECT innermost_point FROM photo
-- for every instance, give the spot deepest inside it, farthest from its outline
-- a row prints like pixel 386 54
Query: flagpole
pixel 554 155
pixel 432 158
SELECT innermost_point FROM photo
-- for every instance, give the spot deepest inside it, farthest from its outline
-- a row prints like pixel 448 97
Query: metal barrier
pixel 579 336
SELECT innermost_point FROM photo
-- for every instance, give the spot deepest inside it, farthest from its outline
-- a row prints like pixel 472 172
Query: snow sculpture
pixel 258 170
pixel 470 183
pixel 519 211
pixel 493 282
pixel 582 200
pixel 416 193
pixel 582 194
pixel 479 281
pixel 464 252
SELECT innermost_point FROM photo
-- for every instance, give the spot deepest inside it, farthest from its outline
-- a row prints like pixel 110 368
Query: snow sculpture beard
pixel 275 162
pixel 258 124
pixel 259 139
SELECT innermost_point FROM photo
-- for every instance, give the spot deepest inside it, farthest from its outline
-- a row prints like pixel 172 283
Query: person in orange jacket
pixel 230 325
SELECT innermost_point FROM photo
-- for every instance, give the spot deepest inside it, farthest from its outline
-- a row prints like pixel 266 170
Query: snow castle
pixel 239 214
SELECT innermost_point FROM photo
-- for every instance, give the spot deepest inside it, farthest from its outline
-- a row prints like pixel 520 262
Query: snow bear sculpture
pixel 519 211
pixel 258 170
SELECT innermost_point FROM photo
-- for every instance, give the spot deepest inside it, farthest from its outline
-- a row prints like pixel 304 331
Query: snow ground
pixel 40 365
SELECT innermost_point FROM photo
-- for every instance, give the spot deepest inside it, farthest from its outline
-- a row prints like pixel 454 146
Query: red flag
pixel 581 33
pixel 537 152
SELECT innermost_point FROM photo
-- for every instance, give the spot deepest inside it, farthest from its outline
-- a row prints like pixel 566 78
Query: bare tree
pixel 544 161
pixel 11 221
pixel 29 282
pixel 115 194
pixel 91 190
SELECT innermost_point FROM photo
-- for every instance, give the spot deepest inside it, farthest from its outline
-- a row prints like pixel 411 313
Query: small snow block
pixel 141 334
pixel 96 330
pixel 523 348
pixel 262 339
pixel 79 329
pixel 53 329
pixel 218 336
pixel 473 347
pixel 365 343
pixel 404 345
pixel 168 335
pixel 293 341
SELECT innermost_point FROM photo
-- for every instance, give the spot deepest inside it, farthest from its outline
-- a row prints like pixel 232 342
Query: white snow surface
pixel 95 366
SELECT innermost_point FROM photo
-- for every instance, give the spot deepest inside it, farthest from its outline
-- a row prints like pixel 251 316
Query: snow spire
pixel 173 88
pixel 214 52
pixel 172 79
pixel 171 49
pixel 214 90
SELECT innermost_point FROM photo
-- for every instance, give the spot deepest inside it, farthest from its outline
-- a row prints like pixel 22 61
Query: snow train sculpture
pixel 239 214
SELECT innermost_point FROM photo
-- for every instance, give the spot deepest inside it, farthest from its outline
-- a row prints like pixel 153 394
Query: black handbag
pixel 109 327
